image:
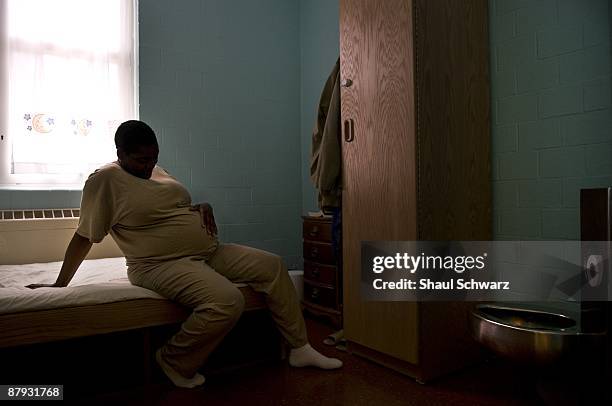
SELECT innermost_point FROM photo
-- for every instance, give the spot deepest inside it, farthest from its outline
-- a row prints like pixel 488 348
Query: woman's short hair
pixel 133 134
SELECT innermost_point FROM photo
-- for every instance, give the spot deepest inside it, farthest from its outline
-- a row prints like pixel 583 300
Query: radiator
pixel 42 235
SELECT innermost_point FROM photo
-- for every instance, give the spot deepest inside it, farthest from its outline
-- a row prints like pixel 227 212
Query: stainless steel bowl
pixel 526 335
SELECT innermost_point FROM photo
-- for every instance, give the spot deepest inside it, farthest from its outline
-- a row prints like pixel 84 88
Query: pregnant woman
pixel 171 247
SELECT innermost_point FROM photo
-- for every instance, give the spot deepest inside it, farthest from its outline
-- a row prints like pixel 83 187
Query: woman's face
pixel 141 162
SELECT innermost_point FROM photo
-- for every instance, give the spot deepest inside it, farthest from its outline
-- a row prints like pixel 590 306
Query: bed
pixel 99 300
pixel 99 306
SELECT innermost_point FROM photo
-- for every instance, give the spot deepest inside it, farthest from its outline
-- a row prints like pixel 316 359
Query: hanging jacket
pixel 326 155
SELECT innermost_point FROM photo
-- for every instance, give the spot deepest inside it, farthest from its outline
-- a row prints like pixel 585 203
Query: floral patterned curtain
pixel 71 82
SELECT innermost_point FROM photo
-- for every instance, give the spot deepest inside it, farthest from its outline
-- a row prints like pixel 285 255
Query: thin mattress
pixel 97 281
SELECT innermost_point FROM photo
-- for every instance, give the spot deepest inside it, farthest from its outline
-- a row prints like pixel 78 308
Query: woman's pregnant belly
pixel 178 236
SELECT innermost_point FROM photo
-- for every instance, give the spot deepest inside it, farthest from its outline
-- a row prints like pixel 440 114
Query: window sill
pixel 31 187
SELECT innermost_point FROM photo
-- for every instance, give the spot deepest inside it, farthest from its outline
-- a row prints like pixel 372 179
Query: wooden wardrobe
pixel 416 163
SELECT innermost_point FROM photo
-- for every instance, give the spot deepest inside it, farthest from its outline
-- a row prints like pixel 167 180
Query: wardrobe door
pixel 452 87
pixel 379 171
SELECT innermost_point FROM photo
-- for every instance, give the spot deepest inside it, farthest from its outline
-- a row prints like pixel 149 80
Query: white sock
pixel 306 356
pixel 176 378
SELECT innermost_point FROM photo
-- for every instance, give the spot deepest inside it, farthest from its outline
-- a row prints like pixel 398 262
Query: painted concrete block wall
pixel 36 199
pixel 552 122
pixel 320 48
pixel 219 82
pixel 226 106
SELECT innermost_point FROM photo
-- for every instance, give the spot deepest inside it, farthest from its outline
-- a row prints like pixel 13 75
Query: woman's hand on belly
pixel 206 216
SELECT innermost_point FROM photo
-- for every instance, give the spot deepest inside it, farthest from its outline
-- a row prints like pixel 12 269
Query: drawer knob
pixel 314 231
pixel 315 294
pixel 314 252
pixel 316 273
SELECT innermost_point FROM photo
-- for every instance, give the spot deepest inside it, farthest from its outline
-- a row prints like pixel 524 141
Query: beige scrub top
pixel 149 219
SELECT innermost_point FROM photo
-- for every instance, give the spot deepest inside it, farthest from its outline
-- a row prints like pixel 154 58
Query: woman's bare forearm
pixel 75 254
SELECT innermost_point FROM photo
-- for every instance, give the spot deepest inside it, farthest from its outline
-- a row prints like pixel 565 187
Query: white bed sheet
pixel 97 281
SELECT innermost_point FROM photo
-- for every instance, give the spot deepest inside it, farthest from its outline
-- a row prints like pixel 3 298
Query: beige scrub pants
pixel 206 287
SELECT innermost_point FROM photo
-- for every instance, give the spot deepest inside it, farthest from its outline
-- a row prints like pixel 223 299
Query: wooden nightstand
pixel 322 270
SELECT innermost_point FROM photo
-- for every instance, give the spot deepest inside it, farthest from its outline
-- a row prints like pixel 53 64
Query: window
pixel 68 72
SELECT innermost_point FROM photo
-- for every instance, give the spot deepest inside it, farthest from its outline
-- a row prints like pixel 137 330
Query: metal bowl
pixel 524 335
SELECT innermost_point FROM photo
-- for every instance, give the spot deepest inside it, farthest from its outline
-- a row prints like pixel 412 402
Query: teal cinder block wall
pixel 220 84
pixel 319 50
pixel 552 123
pixel 232 87
pixel 551 118
pixel 37 199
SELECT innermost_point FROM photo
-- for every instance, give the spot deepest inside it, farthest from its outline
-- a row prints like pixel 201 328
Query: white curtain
pixel 71 82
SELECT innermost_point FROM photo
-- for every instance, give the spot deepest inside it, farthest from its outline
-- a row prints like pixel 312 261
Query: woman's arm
pixel 75 254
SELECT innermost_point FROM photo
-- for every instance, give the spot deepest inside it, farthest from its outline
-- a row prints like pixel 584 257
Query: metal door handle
pixel 349 130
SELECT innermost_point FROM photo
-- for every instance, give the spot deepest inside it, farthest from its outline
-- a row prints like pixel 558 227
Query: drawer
pixel 321 296
pixel 319 252
pixel 317 230
pixel 320 273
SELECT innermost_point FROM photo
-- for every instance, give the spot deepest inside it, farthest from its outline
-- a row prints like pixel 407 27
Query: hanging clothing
pixel 326 154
